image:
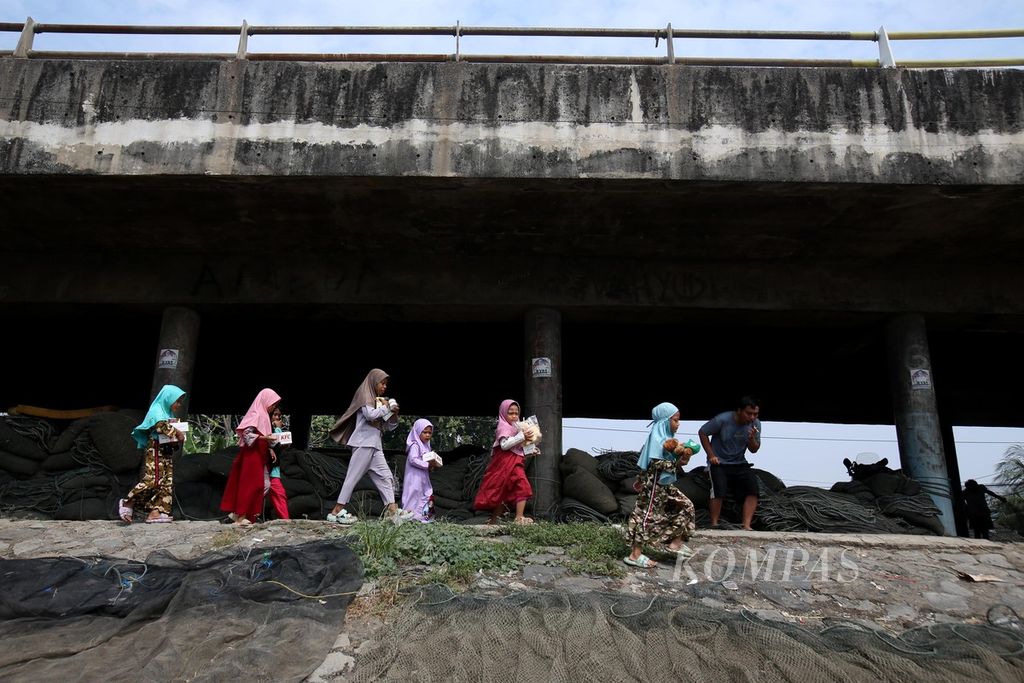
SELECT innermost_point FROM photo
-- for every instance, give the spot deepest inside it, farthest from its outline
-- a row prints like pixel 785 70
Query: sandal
pixel 643 562
pixel 124 512
pixel 342 517
pixel 524 520
pixel 683 551
pixel 160 519
pixel 243 521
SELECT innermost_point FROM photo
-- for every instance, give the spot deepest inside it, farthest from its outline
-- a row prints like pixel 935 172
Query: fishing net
pixel 541 636
pixel 258 614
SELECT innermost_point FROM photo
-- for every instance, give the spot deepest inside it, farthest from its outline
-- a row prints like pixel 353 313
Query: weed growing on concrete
pixel 453 553
pixel 592 548
pixel 226 538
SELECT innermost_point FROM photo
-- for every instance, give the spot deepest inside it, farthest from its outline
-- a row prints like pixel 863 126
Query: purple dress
pixel 417 493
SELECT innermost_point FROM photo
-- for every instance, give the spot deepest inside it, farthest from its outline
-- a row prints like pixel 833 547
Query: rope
pixel 573 510
pixel 804 508
pixel 617 466
pixel 35 429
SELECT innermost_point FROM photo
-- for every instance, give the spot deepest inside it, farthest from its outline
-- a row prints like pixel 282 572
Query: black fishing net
pixel 260 614
pixel 586 637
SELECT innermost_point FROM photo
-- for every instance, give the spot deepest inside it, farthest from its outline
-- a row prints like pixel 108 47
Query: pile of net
pixel 67 470
pixel 257 614
pixel 600 488
pixel 78 470
pixel 539 636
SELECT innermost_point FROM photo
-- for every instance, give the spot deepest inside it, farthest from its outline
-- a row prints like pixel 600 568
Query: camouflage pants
pixel 153 492
pixel 661 514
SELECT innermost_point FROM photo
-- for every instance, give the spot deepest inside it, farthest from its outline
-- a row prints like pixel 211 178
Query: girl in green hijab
pixel 154 491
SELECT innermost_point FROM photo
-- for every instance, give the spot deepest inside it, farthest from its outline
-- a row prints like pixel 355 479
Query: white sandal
pixel 124 512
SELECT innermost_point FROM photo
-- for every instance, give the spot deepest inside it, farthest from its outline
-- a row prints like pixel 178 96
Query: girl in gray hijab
pixel 360 428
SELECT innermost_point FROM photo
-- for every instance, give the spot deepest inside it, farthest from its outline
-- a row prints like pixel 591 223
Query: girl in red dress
pixel 248 480
pixel 505 484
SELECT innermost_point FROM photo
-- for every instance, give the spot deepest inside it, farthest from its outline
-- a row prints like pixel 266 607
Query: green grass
pixel 453 554
pixel 592 548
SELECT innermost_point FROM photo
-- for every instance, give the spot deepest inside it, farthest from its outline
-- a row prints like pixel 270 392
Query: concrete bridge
pixel 845 243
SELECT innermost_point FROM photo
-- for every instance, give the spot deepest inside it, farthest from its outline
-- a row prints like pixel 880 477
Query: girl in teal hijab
pixel 661 431
pixel 663 517
pixel 154 490
pixel 161 410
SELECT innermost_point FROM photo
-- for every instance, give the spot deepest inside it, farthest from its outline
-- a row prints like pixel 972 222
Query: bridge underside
pixel 688 291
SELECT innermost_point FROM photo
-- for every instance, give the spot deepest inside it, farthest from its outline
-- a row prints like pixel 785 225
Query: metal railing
pixel 30 29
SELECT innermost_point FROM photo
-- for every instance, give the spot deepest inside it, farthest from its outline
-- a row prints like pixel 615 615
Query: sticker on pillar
pixel 168 359
pixel 920 378
pixel 541 367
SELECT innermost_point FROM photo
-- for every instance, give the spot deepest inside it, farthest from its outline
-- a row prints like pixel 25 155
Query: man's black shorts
pixel 738 481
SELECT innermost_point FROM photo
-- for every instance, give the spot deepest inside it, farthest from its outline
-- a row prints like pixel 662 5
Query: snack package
pixel 433 457
pixel 282 438
pixel 180 426
pixel 389 403
pixel 530 445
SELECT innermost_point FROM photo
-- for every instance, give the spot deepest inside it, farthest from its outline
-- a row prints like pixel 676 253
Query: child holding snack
pixel 154 490
pixel 360 428
pixel 420 461
pixel 505 483
pixel 247 482
pixel 663 516
pixel 278 497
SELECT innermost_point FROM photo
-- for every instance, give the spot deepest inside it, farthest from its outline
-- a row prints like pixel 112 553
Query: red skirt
pixel 504 481
pixel 243 494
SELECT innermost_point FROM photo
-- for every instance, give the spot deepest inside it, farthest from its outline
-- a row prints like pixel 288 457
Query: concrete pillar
pixel 176 353
pixel 544 399
pixel 918 429
pixel 953 468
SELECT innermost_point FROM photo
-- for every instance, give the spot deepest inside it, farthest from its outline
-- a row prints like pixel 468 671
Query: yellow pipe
pixel 952 35
pixel 952 63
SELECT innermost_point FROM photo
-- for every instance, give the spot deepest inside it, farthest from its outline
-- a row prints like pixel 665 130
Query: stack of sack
pixel 67 470
pixel 894 494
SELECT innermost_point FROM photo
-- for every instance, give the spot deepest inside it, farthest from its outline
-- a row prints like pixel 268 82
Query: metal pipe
pixel 562 59
pixel 957 35
pixel 768 61
pixel 478 59
pixel 354 30
pixel 11 26
pixel 449 30
pixel 953 63
pixel 663 33
pixel 344 57
pixel 138 29
pixel 190 56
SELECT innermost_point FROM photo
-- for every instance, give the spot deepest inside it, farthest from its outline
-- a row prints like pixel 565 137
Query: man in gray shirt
pixel 726 438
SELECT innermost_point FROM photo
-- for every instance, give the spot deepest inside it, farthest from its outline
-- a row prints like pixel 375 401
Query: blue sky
pixel 864 15
pixel 798 453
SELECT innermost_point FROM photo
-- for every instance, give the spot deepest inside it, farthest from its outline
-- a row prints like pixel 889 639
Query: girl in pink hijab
pixel 505 485
pixel 248 480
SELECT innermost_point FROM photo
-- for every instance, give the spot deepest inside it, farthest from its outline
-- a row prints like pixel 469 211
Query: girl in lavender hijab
pixel 417 493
